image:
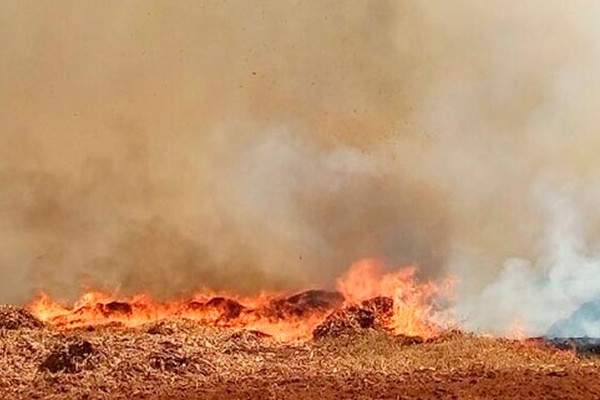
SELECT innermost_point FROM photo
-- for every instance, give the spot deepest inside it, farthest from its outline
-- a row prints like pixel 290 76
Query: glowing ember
pixel 285 318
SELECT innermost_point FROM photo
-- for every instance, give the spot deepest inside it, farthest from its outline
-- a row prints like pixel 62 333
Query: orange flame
pixel 415 312
pixel 284 318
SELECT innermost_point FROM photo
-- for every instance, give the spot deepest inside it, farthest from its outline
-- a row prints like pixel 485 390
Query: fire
pixel 285 318
pixel 414 304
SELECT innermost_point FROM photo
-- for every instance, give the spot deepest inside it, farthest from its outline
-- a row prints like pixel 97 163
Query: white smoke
pixel 536 294
pixel 516 109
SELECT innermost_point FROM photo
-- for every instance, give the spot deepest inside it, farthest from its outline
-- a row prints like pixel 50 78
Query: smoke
pixel 317 210
pixel 165 147
pixel 136 143
pixel 538 294
pixel 514 155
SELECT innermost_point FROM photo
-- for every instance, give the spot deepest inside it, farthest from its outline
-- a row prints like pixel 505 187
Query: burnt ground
pixel 181 360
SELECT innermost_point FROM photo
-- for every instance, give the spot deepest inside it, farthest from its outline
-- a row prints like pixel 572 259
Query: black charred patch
pixel 303 304
pixel 117 307
pixel 226 308
pixel 230 309
pixel 69 357
pixel 582 346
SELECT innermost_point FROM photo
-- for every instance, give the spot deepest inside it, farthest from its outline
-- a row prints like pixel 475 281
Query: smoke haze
pixel 168 146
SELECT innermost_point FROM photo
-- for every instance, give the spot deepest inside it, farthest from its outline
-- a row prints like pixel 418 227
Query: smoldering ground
pixel 163 147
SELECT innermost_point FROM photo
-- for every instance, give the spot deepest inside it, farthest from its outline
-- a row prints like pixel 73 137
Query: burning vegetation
pixel 366 298
pixel 377 334
pixel 163 147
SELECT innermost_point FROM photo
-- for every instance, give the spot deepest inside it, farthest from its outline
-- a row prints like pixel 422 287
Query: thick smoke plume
pixel 166 146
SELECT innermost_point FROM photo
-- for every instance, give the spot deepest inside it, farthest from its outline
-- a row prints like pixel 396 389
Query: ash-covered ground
pixel 182 359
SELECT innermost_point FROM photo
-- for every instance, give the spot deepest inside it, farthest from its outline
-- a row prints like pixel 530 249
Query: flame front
pixel 286 318
pixel 415 308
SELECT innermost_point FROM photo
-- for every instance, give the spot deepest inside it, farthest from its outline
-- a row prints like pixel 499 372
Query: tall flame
pixel 415 304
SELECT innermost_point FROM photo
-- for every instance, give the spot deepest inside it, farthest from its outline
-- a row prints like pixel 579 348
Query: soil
pixel 490 384
pixel 180 359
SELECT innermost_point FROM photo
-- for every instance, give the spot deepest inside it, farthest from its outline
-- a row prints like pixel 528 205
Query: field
pixel 180 359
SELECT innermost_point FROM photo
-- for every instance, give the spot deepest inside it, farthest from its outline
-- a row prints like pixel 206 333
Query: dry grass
pixel 177 357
